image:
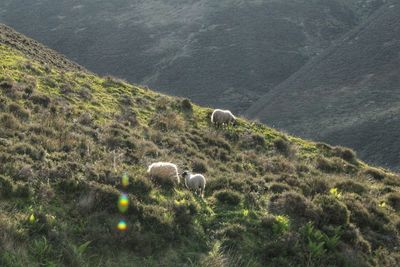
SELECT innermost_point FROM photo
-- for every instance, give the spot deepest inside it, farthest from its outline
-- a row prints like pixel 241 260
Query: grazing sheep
pixel 220 117
pixel 164 171
pixel 195 182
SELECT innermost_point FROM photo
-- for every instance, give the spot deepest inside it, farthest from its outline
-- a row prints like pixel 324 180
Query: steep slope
pixel 35 50
pixel 68 136
pixel 349 94
pixel 234 50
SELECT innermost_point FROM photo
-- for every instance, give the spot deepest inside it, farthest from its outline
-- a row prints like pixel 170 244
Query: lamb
pixel 196 182
pixel 164 171
pixel 220 117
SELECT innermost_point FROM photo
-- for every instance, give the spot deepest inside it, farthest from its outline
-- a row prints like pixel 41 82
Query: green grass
pixel 64 168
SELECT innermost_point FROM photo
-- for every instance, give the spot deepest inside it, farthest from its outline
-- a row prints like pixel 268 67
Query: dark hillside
pixel 234 50
pixel 67 137
pixel 349 94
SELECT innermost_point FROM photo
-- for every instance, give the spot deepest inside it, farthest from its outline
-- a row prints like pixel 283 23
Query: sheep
pixel 196 182
pixel 164 171
pixel 220 117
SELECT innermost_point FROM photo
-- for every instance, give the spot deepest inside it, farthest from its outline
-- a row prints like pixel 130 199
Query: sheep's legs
pixel 201 192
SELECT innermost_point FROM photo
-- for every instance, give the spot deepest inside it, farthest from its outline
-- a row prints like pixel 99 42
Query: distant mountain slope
pixel 67 137
pixel 220 53
pixel 350 94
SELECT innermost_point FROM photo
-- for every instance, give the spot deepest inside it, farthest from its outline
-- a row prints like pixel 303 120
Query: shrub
pixel 302 168
pixel 129 117
pixel 85 93
pixel 334 165
pixel 278 251
pixel 215 140
pixel 294 204
pixel 284 147
pixel 110 81
pixel 149 149
pixel 41 100
pixel 106 196
pixel 358 213
pixel 278 165
pixel 394 200
pixel 324 146
pixel 186 105
pixel 39 225
pixel 162 103
pixel 352 235
pixel 184 215
pixel 140 185
pixel 22 191
pixel 232 136
pixel 24 174
pixel 397 224
pixel 291 180
pixel 345 153
pixel 28 90
pixel 281 224
pixel 9 121
pixel 314 186
pixel 258 139
pixel 251 141
pixel 27 149
pixel 228 196
pixel 85 119
pixel 3 103
pixel 66 89
pixel 48 81
pixel 279 187
pixel 116 142
pixel 167 121
pixel 267 221
pixel 375 173
pixel 154 218
pixel 126 100
pixel 254 200
pixel 333 211
pixel 392 180
pixel 232 231
pixel 199 166
pixel 6 84
pixel 218 183
pixel 10 88
pixel 18 111
pixel 351 186
pixel 69 186
pixel 30 67
pixel 5 187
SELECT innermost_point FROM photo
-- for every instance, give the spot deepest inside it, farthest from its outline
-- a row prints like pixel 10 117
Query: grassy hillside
pixel 68 136
pixel 238 48
pixel 349 94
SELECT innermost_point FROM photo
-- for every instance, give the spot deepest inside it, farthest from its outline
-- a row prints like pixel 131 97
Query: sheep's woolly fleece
pixel 164 170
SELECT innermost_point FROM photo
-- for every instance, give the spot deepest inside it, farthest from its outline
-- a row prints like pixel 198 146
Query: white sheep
pixel 196 182
pixel 164 171
pixel 220 117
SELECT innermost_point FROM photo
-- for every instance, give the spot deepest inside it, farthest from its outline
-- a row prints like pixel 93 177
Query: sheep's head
pixel 185 174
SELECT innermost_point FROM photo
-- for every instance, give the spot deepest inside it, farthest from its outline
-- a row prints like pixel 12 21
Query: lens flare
pixel 122 225
pixel 123 203
pixel 125 180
